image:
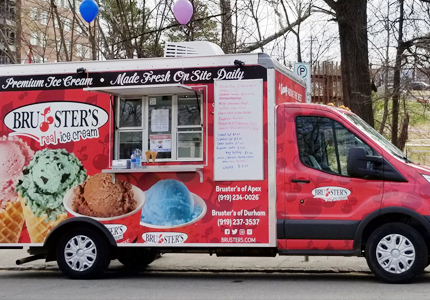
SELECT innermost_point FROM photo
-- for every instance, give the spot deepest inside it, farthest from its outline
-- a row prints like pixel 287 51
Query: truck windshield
pixel 376 136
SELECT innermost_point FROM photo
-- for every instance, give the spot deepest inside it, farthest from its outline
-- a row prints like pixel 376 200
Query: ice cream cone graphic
pixel 48 176
pixel 38 227
pixel 15 154
pixel 11 222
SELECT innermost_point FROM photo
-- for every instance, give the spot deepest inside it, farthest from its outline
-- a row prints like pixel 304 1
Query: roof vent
pixel 195 48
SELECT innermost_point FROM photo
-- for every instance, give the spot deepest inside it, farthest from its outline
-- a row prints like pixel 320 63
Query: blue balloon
pixel 89 10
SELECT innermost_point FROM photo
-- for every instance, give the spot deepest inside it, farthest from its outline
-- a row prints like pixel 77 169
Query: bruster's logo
pixel 56 122
pixel 164 237
pixel 117 230
pixel 331 193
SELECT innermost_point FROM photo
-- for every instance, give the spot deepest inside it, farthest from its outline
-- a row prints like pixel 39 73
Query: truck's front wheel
pixel 396 253
pixel 83 253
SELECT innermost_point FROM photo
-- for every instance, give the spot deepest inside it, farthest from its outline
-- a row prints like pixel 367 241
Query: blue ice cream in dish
pixel 169 203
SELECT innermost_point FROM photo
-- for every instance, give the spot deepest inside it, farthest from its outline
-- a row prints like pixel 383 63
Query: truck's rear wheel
pixel 136 258
pixel 82 254
pixel 396 253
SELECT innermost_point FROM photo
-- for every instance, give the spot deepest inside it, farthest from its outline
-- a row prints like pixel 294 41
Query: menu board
pixel 238 130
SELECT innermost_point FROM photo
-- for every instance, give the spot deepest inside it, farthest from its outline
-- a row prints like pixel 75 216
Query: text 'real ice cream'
pixel 169 203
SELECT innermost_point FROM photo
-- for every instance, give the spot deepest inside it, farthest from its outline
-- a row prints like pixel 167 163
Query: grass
pixel 418 144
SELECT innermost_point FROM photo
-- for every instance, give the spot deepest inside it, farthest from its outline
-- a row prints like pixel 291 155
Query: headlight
pixel 426 177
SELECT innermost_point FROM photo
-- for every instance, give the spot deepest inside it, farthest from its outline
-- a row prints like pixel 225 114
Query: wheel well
pixel 73 224
pixel 393 217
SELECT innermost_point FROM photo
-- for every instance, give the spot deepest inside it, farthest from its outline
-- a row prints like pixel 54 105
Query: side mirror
pixel 361 165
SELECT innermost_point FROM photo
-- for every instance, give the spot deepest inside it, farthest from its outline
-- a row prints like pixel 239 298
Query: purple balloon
pixel 89 10
pixel 183 11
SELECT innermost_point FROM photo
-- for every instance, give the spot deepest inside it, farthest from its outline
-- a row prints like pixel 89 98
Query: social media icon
pixel 234 231
pixel 226 231
pixel 249 231
pixel 242 231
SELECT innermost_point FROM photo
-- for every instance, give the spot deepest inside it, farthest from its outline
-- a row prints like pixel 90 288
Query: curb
pixel 257 270
pixel 154 269
pixel 193 269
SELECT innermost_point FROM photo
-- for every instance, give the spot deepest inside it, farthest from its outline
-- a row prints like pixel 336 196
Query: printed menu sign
pixel 238 130
pixel 160 120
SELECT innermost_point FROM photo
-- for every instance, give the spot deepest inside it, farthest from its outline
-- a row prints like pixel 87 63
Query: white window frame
pixel 145 130
pixel 34 15
pixel 178 131
pixel 34 38
pixel 44 18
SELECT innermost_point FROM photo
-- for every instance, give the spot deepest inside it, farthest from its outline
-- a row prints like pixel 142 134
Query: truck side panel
pixel 54 111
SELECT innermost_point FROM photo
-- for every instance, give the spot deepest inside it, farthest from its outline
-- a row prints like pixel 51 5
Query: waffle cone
pixel 148 155
pixel 154 156
pixel 37 227
pixel 11 222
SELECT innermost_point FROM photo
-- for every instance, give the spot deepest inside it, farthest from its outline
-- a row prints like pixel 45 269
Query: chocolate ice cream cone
pixel 11 222
pixel 38 228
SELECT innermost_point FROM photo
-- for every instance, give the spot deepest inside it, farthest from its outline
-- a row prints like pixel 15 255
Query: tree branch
pixel 162 29
pixel 332 4
pixel 274 36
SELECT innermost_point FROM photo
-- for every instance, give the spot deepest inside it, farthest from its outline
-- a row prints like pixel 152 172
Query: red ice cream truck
pixel 214 154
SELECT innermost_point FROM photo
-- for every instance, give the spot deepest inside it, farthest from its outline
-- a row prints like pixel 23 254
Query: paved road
pixel 200 276
pixel 120 284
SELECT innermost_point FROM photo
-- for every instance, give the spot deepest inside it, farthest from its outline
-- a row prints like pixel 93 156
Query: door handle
pixel 300 181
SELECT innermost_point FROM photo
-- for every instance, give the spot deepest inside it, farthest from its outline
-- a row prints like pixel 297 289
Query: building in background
pixel 37 31
pixel 10 29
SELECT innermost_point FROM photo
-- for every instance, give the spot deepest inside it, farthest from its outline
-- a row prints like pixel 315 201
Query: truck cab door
pixel 323 203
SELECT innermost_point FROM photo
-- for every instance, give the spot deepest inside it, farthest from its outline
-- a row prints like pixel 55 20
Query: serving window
pixel 171 125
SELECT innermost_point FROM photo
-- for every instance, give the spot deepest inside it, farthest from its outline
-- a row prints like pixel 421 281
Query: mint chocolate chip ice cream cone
pixel 42 187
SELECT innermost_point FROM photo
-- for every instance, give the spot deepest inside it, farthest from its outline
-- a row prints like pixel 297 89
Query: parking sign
pixel 304 71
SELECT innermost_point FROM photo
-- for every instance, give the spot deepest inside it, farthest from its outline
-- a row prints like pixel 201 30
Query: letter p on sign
pixel 302 71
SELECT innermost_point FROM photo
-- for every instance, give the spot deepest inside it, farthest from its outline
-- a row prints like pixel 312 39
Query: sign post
pixel 304 71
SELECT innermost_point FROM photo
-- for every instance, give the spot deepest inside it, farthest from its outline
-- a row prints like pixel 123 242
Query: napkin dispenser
pixel 121 164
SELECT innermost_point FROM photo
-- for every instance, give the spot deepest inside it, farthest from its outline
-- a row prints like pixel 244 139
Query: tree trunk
pixel 396 79
pixel 386 64
pixel 356 85
pixel 403 137
pixel 227 36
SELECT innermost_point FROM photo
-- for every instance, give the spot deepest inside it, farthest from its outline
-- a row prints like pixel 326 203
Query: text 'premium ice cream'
pixel 42 187
pixel 99 197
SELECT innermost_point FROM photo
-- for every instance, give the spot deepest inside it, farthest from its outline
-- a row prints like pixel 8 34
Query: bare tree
pixel 227 36
pixel 52 32
pixel 351 17
pixel 404 26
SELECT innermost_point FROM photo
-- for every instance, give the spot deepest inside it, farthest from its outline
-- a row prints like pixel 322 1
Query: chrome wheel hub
pixel 395 253
pixel 80 253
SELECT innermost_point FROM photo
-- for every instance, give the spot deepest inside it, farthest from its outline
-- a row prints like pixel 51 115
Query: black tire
pixel 93 258
pixel 405 249
pixel 136 258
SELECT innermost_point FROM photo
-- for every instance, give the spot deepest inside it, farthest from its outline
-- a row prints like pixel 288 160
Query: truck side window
pixel 324 144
